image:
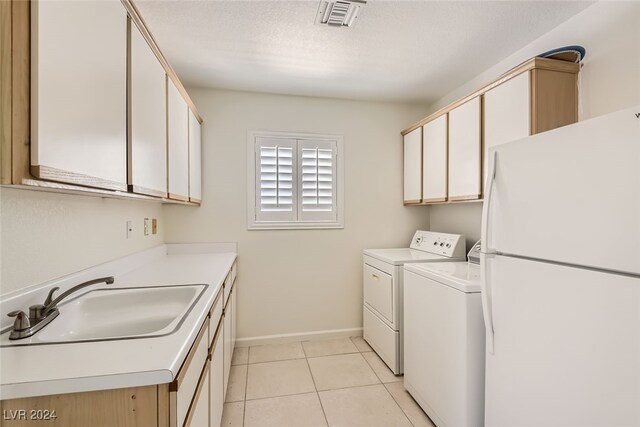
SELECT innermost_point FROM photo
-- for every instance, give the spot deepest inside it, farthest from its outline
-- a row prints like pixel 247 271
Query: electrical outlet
pixel 146 226
pixel 154 226
pixel 129 229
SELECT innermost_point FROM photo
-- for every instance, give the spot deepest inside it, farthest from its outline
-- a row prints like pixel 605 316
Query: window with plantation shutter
pixel 295 181
pixel 317 200
pixel 274 178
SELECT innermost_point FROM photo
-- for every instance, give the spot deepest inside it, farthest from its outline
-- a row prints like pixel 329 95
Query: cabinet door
pixel 434 160
pixel 228 351
pixel 413 166
pixel 79 92
pixel 178 143
pixel 195 165
pixel 234 317
pixel 148 115
pixel 465 151
pixel 217 383
pixel 199 411
pixel 507 114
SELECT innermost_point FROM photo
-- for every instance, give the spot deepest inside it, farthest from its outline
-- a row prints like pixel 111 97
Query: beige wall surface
pixel 609 81
pixel 300 281
pixel 47 235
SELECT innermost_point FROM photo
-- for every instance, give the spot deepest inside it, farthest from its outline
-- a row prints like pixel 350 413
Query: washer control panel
pixel 449 245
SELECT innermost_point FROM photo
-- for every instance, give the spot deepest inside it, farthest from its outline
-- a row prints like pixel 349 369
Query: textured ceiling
pixel 409 51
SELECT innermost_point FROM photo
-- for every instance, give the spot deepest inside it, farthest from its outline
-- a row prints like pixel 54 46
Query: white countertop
pixel 39 370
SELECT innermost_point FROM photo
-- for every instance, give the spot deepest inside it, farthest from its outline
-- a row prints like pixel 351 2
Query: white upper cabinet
pixel 538 95
pixel 434 160
pixel 413 166
pixel 148 114
pixel 465 151
pixel 195 159
pixel 78 93
pixel 507 113
pixel 178 142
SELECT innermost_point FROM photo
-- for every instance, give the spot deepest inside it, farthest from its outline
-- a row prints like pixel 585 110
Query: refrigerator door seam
pixel 571 265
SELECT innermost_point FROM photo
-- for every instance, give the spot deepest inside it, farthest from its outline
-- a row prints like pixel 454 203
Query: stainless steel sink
pixel 117 313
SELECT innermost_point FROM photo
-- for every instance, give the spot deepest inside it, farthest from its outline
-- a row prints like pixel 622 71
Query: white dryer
pixel 383 289
pixel 444 342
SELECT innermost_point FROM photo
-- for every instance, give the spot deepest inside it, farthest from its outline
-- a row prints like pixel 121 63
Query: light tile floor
pixel 339 382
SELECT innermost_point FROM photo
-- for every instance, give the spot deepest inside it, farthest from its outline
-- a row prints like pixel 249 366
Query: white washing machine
pixel 444 342
pixel 383 291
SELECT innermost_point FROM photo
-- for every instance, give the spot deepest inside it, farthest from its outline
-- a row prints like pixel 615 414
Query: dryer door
pixel 378 291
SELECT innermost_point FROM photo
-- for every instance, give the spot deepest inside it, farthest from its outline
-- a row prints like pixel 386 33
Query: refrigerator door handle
pixel 485 296
pixel 487 252
pixel 486 209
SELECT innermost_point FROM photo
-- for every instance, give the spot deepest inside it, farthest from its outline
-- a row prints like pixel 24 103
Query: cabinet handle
pixel 375 276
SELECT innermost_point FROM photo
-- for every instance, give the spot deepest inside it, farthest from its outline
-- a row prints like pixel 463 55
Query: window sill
pixel 275 225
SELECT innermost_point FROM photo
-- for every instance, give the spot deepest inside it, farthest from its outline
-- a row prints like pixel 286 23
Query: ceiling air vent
pixel 339 13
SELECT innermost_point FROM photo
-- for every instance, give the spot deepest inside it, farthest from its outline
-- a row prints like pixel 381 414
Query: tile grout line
pixel 277 360
pixel 280 395
pixel 246 384
pixel 351 339
pixel 374 371
pixel 324 414
pixel 365 341
pixel 352 386
pixel 317 392
pixel 385 384
pixel 398 404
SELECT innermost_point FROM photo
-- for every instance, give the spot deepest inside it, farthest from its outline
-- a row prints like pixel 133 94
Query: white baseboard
pixel 302 336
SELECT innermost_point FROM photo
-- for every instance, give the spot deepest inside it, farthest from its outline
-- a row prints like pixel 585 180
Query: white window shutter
pixel 317 180
pixel 295 181
pixel 276 165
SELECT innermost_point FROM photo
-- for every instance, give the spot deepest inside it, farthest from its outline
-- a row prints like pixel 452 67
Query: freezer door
pixel 567 346
pixel 570 195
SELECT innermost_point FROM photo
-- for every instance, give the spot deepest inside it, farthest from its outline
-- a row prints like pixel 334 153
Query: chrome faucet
pixel 40 315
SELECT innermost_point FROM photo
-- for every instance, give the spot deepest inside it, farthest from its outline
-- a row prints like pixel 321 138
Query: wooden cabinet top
pixel 533 63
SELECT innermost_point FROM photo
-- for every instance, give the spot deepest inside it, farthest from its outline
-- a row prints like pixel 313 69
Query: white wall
pixel 609 81
pixel 300 281
pixel 47 235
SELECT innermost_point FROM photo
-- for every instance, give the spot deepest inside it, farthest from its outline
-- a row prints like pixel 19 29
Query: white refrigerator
pixel 560 269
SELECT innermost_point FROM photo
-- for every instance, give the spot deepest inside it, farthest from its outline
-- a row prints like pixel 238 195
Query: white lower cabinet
pixel 189 381
pixel 197 396
pixel 199 413
pixel 216 381
pixel 234 317
pixel 228 348
pixel 222 346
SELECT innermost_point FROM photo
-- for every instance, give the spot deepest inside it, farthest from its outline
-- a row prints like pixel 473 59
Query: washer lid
pixel 401 256
pixel 462 276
